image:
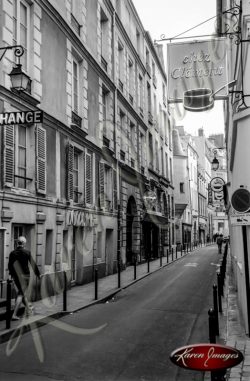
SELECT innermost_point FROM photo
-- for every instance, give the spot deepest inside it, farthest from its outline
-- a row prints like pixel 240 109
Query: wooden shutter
pixel 41 172
pixel 88 179
pixel 114 189
pixel 101 185
pixel 69 172
pixel 9 155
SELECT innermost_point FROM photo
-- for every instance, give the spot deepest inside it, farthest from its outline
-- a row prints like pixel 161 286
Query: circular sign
pixel 217 184
pixel 241 200
pixel 219 196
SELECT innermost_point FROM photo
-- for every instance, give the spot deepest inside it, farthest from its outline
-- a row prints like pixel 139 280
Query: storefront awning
pixel 156 219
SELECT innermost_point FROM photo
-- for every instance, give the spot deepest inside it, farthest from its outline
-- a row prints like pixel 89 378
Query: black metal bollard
pixel 176 253
pixel 212 326
pixel 172 251
pixel 219 292
pixel 65 286
pixel 215 299
pixel 160 258
pixel 148 264
pixel 167 255
pixel 96 284
pixel 119 273
pixel 135 269
pixel 181 250
pixel 8 304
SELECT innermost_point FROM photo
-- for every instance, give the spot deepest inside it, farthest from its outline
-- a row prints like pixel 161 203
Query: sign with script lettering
pixel 197 65
pixel 21 117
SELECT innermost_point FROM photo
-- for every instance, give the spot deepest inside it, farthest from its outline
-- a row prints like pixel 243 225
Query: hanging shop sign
pixel 79 218
pixel 21 117
pixel 196 71
pixel 217 184
pixel 210 195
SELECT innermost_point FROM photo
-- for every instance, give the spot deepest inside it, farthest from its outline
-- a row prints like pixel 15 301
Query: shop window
pixel 65 251
pixel 17 232
pixel 49 247
pixel 21 28
pixel 99 246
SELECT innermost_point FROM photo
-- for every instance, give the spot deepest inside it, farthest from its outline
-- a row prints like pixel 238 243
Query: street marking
pixel 191 264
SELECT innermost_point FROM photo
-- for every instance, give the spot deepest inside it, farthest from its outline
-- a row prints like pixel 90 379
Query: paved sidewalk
pixel 235 332
pixel 79 297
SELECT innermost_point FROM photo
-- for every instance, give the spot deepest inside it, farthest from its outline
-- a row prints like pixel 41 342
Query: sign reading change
pixel 21 117
pixel 197 65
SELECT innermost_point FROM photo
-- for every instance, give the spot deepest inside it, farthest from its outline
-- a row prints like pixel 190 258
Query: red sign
pixel 206 357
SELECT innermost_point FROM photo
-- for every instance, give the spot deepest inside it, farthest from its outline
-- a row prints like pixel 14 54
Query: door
pixel 109 252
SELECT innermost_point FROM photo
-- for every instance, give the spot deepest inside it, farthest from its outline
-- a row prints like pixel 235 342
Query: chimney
pixel 177 147
pixel 200 132
pixel 180 130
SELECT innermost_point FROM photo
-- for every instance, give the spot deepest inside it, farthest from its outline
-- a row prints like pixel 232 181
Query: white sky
pixel 174 17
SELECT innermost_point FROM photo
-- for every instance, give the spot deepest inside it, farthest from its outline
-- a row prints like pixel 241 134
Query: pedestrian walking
pixel 18 266
pixel 219 242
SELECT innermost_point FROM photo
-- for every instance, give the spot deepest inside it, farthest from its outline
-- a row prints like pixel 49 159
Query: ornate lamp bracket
pixel 18 51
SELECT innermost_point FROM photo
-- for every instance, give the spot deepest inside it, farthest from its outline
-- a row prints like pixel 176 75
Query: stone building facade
pixel 93 182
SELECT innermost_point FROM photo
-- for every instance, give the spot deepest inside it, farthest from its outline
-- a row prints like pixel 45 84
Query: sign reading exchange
pixel 21 117
pixel 197 65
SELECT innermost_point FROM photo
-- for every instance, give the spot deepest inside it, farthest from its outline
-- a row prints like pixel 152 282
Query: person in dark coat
pixel 18 266
pixel 219 242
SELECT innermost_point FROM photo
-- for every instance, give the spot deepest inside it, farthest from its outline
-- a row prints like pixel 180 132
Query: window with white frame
pixel 21 28
pixel 75 86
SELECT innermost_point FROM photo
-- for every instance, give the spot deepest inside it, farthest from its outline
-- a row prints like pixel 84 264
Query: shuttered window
pixel 69 172
pixel 88 178
pixel 41 170
pixel 101 186
pixel 114 189
pixel 9 155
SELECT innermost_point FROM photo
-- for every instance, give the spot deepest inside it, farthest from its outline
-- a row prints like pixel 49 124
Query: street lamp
pixel 19 80
pixel 215 163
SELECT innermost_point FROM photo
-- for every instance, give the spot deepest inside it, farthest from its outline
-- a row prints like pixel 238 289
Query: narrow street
pixel 145 323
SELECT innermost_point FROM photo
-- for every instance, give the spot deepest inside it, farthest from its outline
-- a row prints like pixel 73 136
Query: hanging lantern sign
pixel 197 73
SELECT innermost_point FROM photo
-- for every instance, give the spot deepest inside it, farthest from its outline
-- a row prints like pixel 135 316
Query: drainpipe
pixel 118 169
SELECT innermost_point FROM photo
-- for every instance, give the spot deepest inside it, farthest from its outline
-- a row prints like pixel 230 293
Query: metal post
pixel 172 251
pixel 148 264
pixel 219 292
pixel 161 257
pixel 134 268
pixel 181 250
pixel 167 255
pixel 8 304
pixel 244 233
pixel 96 284
pixel 216 309
pixel 65 286
pixel 176 253
pixel 119 244
pixel 212 327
